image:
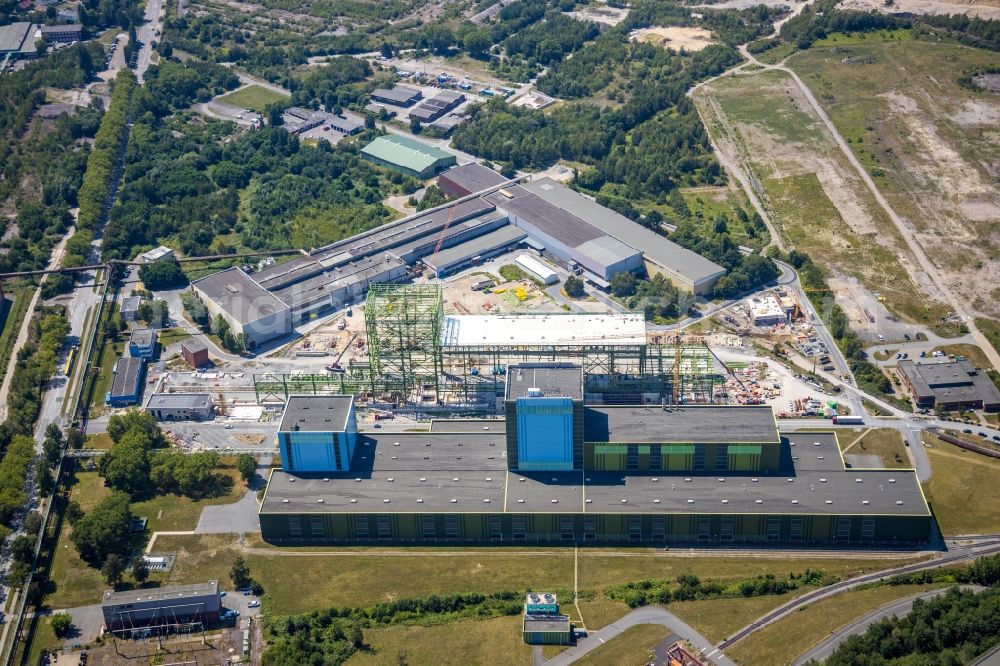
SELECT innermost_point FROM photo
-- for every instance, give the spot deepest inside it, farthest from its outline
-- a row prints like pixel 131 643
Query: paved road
pixel 902 227
pixel 146 34
pixel 22 335
pixel 644 615
pixel 896 608
pixel 959 554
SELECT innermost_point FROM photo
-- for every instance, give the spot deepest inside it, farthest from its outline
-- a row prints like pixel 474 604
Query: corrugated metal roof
pixel 671 256
pixel 405 152
pixel 505 235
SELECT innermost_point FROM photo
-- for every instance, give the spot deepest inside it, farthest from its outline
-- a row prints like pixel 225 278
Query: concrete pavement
pixel 896 608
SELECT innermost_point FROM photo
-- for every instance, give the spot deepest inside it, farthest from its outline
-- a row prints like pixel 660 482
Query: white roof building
pixel 543 329
pixel 162 252
pixel 766 310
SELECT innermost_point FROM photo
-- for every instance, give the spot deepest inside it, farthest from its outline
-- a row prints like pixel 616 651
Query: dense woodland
pixel 944 631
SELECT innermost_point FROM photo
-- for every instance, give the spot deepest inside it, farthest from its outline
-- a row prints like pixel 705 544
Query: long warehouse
pixel 566 226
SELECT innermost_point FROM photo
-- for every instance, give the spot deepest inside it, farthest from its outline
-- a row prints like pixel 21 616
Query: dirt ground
pixel 459 298
pixel 218 648
pixel 936 143
pixel 816 199
pixel 606 15
pixel 690 39
pixel 987 9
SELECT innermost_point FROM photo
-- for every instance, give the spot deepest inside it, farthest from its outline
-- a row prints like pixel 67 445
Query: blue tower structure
pixel 318 433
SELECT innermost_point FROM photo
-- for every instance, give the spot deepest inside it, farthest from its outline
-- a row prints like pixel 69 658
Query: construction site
pixel 414 356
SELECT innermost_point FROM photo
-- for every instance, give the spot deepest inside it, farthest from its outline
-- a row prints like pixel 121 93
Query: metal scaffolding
pixel 471 378
pixel 408 365
pixel 403 323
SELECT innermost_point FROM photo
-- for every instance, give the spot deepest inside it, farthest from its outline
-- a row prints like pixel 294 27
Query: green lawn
pixel 957 484
pixel 496 641
pixel 716 619
pixel 170 336
pixel 253 97
pixel 105 360
pixel 973 353
pixel 75 583
pixel 784 640
pixel 631 647
pixel 886 443
pixel 171 513
pixel 599 571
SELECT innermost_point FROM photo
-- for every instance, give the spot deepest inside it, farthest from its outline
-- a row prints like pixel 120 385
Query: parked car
pixel 967 431
pixel 254 603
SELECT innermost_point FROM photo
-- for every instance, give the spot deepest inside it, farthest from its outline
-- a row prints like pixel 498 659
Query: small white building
pixel 162 252
pixel 766 310
pixel 537 269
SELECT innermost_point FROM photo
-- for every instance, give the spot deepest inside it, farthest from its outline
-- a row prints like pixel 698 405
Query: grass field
pixel 817 201
pixel 958 478
pixel 921 135
pixel 716 619
pixel 255 98
pixel 105 360
pixel 784 640
pixel 75 582
pixel 598 571
pixel 631 647
pixel 973 353
pixel 496 642
pixel 886 443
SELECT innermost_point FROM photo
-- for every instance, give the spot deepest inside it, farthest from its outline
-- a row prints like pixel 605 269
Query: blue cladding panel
pixel 311 452
pixel 545 433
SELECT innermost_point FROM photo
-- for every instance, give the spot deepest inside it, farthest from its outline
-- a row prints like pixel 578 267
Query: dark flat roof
pixel 546 623
pixel 239 295
pixel 684 425
pixel 126 376
pixel 563 380
pixel 473 177
pixel 179 401
pixel 691 265
pixel 950 381
pixel 112 597
pixel 316 413
pixel 566 227
pixel 397 94
pixel 458 473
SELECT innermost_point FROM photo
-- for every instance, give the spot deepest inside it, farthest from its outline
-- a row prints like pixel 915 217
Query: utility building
pixel 951 385
pixel 170 608
pixel 410 156
pixel 180 406
pixel 126 386
pixel 142 343
pixel 318 433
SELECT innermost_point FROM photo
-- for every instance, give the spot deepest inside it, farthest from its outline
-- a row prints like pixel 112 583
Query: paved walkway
pixel 645 615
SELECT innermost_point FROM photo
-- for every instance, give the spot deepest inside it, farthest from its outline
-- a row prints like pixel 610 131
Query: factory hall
pixel 556 469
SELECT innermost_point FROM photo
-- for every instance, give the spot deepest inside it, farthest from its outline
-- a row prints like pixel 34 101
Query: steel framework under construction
pixel 409 365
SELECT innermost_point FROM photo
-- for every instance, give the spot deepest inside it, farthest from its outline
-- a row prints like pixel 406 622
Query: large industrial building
pixel 565 227
pixel 951 385
pixel 469 179
pixel 410 156
pixel 557 469
pixel 251 310
pixel 17 41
